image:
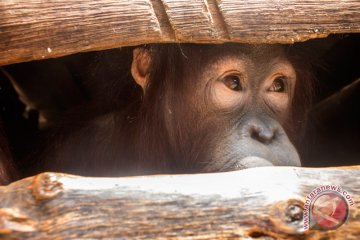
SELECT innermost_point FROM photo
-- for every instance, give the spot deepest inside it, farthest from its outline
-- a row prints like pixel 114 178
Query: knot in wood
pixel 46 186
pixel 294 213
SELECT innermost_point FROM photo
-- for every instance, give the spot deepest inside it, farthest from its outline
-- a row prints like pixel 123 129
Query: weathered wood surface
pixel 33 29
pixel 258 203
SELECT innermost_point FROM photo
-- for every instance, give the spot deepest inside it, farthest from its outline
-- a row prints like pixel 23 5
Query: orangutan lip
pixel 246 162
pixel 252 161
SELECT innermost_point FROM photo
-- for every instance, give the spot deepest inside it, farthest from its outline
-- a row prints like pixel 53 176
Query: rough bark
pixel 33 29
pixel 258 203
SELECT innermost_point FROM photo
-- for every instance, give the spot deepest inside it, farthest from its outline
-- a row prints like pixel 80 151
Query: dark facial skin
pixel 241 98
pixel 199 108
pixel 258 87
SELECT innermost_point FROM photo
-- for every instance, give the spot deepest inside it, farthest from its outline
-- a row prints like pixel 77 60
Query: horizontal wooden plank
pixel 33 29
pixel 258 203
pixel 289 21
pixel 41 29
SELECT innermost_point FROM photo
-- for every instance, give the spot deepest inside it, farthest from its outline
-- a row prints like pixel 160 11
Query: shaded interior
pixel 35 95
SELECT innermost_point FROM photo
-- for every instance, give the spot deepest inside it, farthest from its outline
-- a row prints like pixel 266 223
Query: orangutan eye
pixel 233 82
pixel 278 85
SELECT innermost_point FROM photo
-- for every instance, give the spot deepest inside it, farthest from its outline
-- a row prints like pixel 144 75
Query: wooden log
pixel 32 29
pixel 258 203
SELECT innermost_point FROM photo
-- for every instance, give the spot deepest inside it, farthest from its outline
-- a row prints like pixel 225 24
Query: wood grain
pixel 258 203
pixel 34 29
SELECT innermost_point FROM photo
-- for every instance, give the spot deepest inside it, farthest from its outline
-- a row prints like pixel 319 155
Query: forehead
pixel 202 56
pixel 261 58
pixel 256 53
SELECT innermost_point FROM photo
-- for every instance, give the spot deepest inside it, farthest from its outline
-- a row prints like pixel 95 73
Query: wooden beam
pixel 33 30
pixel 258 203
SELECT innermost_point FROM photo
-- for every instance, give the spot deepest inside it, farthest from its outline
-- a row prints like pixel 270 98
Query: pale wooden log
pixel 258 203
pixel 33 29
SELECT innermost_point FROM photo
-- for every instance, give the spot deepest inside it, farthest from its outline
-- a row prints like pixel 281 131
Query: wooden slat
pixel 33 29
pixel 258 203
pixel 289 21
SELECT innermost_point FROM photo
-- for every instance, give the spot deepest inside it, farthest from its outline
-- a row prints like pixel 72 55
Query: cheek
pixel 225 98
pixel 279 103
